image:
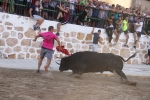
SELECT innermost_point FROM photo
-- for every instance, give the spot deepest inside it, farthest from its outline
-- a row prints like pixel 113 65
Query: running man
pixel 96 39
pixel 33 11
pixel 63 17
pixel 138 30
pixel 125 30
pixel 47 47
pixel 118 29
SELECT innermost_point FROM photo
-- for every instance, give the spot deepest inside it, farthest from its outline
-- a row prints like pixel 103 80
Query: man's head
pixel 87 10
pixel 37 2
pixel 139 20
pixel 112 16
pixel 67 8
pixel 99 32
pixel 120 18
pixel 51 28
pixel 126 18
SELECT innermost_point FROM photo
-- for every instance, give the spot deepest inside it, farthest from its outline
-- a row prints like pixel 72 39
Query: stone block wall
pixel 16 40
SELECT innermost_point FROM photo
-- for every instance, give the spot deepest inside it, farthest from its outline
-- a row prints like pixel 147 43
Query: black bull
pixel 84 62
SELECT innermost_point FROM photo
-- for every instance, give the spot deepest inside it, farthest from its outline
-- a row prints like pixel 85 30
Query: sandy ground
pixel 18 84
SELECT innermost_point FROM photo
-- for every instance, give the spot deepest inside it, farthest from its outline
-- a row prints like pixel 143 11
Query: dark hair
pixel 37 0
pixel 113 5
pixel 50 28
pixel 99 30
pixel 139 18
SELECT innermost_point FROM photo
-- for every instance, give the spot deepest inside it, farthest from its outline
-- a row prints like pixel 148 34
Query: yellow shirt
pixel 125 25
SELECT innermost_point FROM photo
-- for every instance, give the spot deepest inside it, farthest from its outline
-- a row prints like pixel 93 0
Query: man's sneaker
pixel 125 45
pixel 37 71
pixel 38 28
pixel 135 41
pixel 134 47
pixel 34 27
pixel 57 34
pixel 114 44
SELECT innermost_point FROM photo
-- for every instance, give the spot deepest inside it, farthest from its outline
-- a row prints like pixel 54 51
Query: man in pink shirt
pixel 47 47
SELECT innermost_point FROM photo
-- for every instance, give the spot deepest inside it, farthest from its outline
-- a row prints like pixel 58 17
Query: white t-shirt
pixel 139 29
pixel 148 42
pixel 72 5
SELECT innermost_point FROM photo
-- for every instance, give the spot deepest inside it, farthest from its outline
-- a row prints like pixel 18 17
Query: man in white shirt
pixel 138 30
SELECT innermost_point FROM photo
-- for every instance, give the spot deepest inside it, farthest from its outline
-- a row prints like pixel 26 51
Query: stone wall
pixel 16 40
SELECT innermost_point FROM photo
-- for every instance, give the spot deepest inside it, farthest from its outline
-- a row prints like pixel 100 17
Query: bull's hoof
pixel 132 83
pixel 77 76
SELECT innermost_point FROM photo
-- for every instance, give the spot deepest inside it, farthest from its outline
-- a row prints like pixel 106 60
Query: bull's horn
pixel 58 57
pixel 57 63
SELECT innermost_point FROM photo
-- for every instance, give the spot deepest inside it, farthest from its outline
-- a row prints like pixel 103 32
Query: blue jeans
pixel 71 15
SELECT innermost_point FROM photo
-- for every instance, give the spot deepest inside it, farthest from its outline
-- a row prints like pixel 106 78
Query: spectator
pixel 45 6
pixel 63 18
pixel 96 39
pixel 19 9
pixel 5 6
pixel 72 10
pixel 125 30
pixel 47 47
pixel 52 7
pixel 138 30
pixel 148 27
pixel 102 15
pixel 110 27
pixel 82 17
pixel 118 29
pixel 148 46
pixel 33 11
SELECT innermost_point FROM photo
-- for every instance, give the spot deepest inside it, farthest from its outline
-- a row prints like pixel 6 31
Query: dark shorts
pixel 139 34
pixel 62 21
pixel 46 53
pixel 126 32
pixel 148 52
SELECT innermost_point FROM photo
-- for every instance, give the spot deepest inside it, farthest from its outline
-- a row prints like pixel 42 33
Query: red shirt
pixel 67 16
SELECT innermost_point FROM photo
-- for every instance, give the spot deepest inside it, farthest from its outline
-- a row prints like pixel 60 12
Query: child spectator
pixel 63 17
pixel 33 11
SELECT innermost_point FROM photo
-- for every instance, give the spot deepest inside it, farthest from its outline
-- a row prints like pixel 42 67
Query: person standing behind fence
pixel 118 30
pixel 96 39
pixel 47 47
pixel 110 27
pixel 138 29
pixel 33 11
pixel 72 9
pixel 125 30
pixel 148 46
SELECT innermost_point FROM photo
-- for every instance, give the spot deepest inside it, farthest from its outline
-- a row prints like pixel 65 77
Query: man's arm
pixel 30 12
pixel 58 42
pixel 93 30
pixel 37 36
pixel 62 9
pixel 145 34
pixel 100 41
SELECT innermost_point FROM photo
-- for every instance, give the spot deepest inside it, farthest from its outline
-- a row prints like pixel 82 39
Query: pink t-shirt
pixel 48 41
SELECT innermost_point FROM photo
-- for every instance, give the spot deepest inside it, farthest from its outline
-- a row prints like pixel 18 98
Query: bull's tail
pixel 129 57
